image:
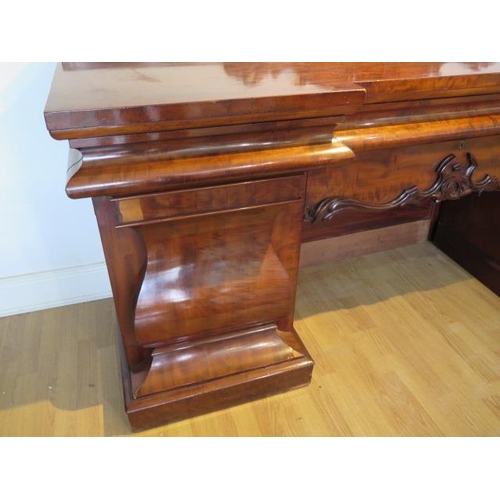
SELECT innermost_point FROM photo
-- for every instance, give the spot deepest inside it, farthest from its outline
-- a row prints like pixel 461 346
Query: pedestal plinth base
pixel 194 378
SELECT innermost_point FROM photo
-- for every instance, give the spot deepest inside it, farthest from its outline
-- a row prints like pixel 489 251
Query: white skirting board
pixel 60 287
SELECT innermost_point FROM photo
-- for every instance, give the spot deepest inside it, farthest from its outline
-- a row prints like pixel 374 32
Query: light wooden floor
pixel 406 343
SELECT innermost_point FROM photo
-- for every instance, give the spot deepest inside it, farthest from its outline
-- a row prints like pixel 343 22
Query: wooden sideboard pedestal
pixel 205 300
pixel 206 179
pixel 468 230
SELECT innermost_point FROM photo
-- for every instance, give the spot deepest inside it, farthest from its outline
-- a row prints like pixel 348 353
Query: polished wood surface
pixel 137 170
pixel 145 96
pixel 406 344
pixel 469 232
pixel 347 222
pixel 215 258
pixel 395 176
pixel 203 177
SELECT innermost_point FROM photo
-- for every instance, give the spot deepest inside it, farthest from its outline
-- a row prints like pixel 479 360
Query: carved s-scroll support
pixel 125 255
pixel 453 181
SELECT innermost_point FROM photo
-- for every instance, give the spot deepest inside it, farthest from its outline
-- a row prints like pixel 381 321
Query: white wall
pixel 50 252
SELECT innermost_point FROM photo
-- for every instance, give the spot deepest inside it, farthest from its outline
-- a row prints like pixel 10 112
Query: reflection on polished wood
pixel 201 274
pixel 406 343
pixel 205 178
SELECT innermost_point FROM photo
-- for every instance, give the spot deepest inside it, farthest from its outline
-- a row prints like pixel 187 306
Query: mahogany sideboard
pixel 206 178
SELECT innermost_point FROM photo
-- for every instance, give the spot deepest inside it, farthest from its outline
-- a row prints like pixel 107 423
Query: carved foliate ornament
pixel 453 181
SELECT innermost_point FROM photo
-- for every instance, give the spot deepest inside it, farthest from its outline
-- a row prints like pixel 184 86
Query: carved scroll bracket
pixel 453 181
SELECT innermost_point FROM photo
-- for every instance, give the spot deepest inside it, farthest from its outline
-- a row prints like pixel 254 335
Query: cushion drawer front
pixel 190 202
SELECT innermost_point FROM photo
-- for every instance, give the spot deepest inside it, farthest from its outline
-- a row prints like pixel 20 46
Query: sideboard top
pixel 95 99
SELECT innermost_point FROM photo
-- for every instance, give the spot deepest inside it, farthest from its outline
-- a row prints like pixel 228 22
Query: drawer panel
pixel 380 176
pixel 164 206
